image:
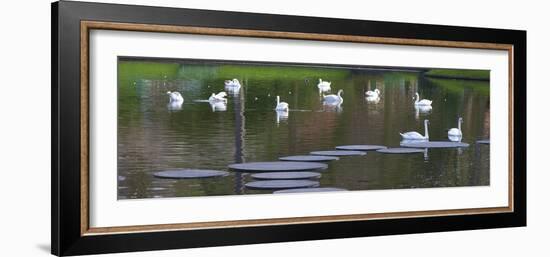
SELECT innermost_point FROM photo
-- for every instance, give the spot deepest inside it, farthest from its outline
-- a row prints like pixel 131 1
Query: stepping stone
pixel 360 147
pixel 157 189
pixel 287 175
pixel 309 158
pixel 190 173
pixel 338 153
pixel 281 184
pixel 435 144
pixel 309 190
pixel 400 150
pixel 277 166
pixel 483 141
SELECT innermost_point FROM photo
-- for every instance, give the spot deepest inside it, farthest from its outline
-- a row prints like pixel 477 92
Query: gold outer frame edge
pixel 86 26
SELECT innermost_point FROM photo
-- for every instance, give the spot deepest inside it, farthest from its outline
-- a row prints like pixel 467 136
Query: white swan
pixel 334 99
pixel 323 86
pixel 232 83
pixel 413 135
pixel 233 86
pixel 455 134
pixel 220 97
pixel 281 106
pixel 175 97
pixel 373 94
pixel 423 102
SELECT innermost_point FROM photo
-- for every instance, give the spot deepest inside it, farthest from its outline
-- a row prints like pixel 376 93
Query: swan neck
pixel 459 125
pixel 416 98
pixel 278 99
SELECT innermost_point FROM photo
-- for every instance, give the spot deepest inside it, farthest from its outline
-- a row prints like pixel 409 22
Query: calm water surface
pixel 155 136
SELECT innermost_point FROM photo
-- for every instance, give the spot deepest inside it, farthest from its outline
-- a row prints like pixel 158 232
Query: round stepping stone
pixel 435 144
pixel 309 190
pixel 277 166
pixel 400 150
pixel 360 147
pixel 157 189
pixel 287 175
pixel 190 173
pixel 338 153
pixel 309 158
pixel 281 184
pixel 483 141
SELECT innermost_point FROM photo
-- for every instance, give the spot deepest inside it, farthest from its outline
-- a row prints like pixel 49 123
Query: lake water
pixel 155 136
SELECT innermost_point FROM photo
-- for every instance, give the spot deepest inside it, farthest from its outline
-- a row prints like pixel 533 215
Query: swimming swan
pixel 175 97
pixel 220 97
pixel 413 135
pixel 323 86
pixel 334 99
pixel 455 134
pixel 423 102
pixel 281 106
pixel 232 83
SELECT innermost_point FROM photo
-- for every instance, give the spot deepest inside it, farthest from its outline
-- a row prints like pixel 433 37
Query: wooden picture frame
pixel 71 25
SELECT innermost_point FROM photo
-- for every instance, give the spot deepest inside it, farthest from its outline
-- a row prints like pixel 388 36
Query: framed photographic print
pixel 178 128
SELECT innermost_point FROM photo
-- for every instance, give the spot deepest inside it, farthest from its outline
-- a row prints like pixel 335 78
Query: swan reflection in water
pixel 373 99
pixel 459 151
pixel 332 107
pixel 455 138
pixel 422 109
pixel 174 106
pixel 426 156
pixel 412 141
pixel 218 106
pixel 281 116
pixel 233 91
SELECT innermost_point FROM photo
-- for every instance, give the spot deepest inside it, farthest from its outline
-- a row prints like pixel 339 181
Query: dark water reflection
pixel 154 135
